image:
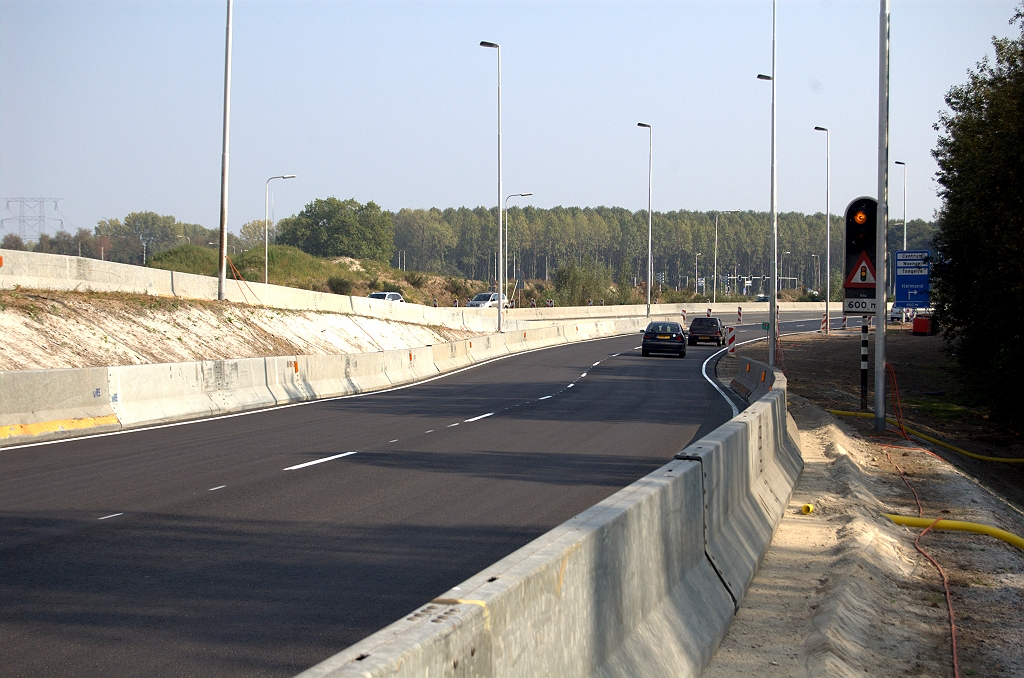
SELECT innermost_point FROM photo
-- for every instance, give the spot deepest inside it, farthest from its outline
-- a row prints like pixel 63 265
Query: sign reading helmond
pixel 912 282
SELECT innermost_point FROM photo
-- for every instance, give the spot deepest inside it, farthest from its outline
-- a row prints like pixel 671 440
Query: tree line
pixel 462 242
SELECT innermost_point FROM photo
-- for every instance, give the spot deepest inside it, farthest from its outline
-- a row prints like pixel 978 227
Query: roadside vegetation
pixel 980 240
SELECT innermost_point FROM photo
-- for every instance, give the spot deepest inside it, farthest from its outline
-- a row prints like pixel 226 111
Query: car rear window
pixel 379 295
pixel 664 328
pixel 483 296
pixel 704 322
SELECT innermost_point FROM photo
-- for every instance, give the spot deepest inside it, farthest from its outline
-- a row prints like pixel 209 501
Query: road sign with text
pixel 912 282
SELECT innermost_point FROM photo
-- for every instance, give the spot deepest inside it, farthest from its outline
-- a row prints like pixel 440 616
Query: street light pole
pixel 899 162
pixel 505 263
pixel 882 225
pixel 266 232
pixel 223 265
pixel 773 302
pixel 695 255
pixel 650 231
pixel 500 273
pixel 714 298
pixel 828 224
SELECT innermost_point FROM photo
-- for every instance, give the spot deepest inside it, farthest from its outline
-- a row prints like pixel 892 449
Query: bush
pixel 415 279
pixel 575 284
pixel 391 287
pixel 340 284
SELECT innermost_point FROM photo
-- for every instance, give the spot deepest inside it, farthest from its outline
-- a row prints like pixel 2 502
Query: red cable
pixel 917 545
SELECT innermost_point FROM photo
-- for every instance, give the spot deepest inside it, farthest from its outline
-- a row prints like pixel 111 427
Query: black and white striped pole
pixel 864 362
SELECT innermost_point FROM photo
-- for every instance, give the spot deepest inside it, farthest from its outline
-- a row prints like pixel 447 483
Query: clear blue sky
pixel 116 107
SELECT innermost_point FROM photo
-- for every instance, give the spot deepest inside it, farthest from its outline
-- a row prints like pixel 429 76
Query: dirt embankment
pixel 47 330
pixel 843 591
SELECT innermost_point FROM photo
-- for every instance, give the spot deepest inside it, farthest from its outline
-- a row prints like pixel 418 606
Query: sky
pixel 116 107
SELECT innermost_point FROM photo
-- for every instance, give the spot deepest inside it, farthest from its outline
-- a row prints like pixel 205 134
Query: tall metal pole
pixel 222 276
pixel 266 232
pixel 714 294
pixel 883 211
pixel 714 298
pixel 773 301
pixel 499 274
pixel 650 230
pixel 828 224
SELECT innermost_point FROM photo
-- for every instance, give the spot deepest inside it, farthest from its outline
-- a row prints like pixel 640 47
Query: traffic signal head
pixel 861 222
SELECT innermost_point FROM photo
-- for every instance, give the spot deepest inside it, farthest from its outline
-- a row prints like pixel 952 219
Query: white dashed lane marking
pixel 318 461
pixel 482 416
pixel 219 487
pixel 112 515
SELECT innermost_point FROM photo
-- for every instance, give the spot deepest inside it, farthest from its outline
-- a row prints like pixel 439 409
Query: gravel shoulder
pixel 842 590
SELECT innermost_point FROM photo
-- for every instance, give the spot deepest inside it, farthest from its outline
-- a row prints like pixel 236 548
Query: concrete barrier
pixel 753 379
pixel 59 272
pixel 44 404
pixel 645 583
pixel 623 589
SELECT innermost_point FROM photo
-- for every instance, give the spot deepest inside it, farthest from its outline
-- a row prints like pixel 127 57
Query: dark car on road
pixel 707 329
pixel 664 337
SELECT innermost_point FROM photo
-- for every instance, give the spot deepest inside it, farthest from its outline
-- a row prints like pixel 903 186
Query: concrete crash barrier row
pixel 38 405
pixel 645 583
pixel 37 270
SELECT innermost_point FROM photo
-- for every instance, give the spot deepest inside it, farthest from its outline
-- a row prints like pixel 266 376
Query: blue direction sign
pixel 912 286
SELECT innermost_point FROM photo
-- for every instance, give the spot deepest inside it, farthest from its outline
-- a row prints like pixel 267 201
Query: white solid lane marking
pixel 482 416
pixel 318 461
pixel 544 398
pixel 219 487
pixel 112 515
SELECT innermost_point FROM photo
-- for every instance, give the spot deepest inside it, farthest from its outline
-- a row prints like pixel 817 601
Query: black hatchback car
pixel 707 329
pixel 664 337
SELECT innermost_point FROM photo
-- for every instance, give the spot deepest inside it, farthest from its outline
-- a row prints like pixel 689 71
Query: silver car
pixel 386 296
pixel 487 300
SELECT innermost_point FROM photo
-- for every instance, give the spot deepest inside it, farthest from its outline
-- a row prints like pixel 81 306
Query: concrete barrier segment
pixel 623 589
pixel 750 467
pixel 44 404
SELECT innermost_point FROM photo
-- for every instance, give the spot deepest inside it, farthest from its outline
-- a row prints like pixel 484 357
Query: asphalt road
pixel 260 544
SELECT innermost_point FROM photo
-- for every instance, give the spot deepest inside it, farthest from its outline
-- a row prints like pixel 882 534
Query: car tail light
pixel 678 337
pixel 647 335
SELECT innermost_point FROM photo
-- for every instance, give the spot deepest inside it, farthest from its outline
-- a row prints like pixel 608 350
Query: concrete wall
pixel 58 272
pixel 645 583
pixel 41 405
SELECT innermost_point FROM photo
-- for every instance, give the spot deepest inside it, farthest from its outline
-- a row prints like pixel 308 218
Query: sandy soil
pixel 46 330
pixel 843 591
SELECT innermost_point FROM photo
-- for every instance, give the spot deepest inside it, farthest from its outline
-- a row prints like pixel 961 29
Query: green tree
pixel 980 264
pixel 332 228
pixel 252 233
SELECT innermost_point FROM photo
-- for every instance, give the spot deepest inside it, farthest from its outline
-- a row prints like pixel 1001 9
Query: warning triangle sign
pixel 862 276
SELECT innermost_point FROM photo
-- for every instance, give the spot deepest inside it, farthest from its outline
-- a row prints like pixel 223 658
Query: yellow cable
pixel 977 528
pixel 923 436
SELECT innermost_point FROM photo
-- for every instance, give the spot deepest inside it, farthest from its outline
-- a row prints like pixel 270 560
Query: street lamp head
pixel 762 76
pixel 900 162
pixel 484 43
pixel 821 129
pixel 288 176
pixel 524 195
pixel 643 124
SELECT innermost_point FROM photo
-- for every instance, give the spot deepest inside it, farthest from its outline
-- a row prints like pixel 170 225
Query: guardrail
pixel 645 583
